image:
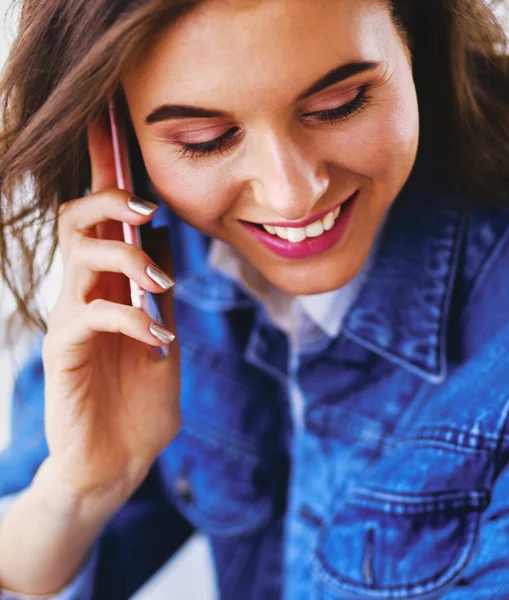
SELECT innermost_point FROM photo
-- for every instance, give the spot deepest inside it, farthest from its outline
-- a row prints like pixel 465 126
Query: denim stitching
pixel 423 366
pixel 445 433
pixel 485 267
pixel 471 498
pixel 219 362
pixel 440 444
pixel 239 526
pixel 227 445
pixel 251 356
pixel 337 584
pixel 502 424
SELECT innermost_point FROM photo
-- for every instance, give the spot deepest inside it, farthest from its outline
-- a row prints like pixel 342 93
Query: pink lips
pixel 309 246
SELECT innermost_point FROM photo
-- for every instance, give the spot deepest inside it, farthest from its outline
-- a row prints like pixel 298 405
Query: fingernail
pixel 161 333
pixel 160 277
pixel 142 207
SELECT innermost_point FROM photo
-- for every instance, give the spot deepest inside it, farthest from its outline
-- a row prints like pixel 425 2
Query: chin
pixel 310 283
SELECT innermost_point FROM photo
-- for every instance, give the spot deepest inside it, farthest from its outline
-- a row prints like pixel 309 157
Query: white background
pixel 188 576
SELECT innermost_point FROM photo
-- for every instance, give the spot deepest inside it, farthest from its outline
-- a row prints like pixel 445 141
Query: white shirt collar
pixel 327 310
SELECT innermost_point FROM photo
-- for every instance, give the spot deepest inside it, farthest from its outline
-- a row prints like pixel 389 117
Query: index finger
pixel 102 161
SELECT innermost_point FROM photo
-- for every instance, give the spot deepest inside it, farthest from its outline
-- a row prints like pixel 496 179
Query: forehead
pixel 241 44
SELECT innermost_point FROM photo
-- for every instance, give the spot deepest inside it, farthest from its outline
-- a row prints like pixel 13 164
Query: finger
pixel 84 214
pixel 108 317
pixel 101 315
pixel 92 256
pixel 102 160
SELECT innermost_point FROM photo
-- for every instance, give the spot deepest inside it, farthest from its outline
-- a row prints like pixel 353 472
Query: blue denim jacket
pixel 397 484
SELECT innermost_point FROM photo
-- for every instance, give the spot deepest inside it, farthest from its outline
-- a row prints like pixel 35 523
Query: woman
pixel 333 177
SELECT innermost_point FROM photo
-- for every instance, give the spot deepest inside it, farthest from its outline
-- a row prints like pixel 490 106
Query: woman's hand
pixel 111 406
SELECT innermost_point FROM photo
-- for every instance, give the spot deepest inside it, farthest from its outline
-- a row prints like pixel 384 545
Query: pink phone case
pixel 139 297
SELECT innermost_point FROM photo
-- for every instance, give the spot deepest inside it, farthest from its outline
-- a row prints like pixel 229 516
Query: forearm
pixel 47 534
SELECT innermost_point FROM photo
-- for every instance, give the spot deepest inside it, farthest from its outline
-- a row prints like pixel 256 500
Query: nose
pixel 284 179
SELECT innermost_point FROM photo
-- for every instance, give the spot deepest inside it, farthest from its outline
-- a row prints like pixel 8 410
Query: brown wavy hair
pixel 69 56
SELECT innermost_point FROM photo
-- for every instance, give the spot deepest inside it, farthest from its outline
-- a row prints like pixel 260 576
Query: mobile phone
pixel 132 234
pixel 140 298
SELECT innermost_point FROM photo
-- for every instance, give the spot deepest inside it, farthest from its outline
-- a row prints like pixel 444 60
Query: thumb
pixel 102 160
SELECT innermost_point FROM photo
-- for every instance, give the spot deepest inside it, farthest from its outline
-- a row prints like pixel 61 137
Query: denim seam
pixel 199 300
pixel 431 377
pixel 317 346
pixel 419 396
pixel 253 358
pixel 226 444
pixel 415 365
pixel 462 431
pixel 214 360
pixel 337 584
pixel 440 349
pixel 389 502
pixel 222 529
pixel 219 362
pixel 430 443
pixel 484 269
pixel 403 508
pixel 308 515
pixel 502 428
pixel 233 567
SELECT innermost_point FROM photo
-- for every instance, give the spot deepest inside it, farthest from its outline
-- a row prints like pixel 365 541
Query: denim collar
pixel 401 312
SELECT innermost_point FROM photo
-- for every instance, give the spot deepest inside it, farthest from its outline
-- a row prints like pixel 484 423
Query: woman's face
pixel 258 112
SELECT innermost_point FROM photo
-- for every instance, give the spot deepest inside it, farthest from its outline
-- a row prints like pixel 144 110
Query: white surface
pixel 187 577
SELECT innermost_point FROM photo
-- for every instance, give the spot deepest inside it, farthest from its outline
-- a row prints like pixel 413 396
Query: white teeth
pixel 315 229
pixel 328 221
pixel 299 234
pixel 282 232
pixel 296 234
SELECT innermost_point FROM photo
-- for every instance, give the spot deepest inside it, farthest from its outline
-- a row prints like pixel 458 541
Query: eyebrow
pixel 168 112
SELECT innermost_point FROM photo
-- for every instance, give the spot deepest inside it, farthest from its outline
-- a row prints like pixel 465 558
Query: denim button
pixel 184 490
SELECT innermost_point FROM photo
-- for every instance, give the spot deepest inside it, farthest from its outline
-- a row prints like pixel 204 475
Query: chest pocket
pixel 222 490
pixel 227 469
pixel 409 528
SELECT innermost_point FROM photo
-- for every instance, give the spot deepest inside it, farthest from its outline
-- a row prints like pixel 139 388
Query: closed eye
pixel 216 145
pixel 227 140
pixel 343 112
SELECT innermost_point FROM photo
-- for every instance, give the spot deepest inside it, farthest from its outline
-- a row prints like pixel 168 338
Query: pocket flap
pixel 383 545
pixel 222 490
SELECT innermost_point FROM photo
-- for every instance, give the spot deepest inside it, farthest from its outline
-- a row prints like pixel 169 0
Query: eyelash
pixel 330 116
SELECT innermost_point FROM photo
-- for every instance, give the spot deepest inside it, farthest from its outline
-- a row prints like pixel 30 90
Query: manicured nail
pixel 142 207
pixel 161 333
pixel 160 277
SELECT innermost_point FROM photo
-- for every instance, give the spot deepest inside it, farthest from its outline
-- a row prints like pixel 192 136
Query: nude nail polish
pixel 142 207
pixel 161 333
pixel 160 277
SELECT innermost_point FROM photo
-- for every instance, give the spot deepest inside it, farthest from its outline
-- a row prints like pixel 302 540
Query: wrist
pixel 63 501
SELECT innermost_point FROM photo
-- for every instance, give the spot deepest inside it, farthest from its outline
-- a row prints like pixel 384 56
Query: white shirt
pixel 288 312
pixel 303 318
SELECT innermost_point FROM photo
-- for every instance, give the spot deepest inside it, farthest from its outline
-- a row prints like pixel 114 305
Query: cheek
pixel 197 194
pixel 382 144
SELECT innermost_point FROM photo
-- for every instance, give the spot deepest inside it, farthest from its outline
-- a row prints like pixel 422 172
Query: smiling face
pixel 276 112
